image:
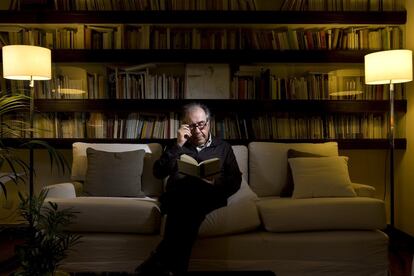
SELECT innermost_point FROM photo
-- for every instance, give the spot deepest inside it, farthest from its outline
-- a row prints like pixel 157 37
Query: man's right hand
pixel 183 133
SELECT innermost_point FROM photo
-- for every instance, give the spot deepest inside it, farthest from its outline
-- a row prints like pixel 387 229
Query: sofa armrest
pixel 61 190
pixel 78 187
pixel 364 190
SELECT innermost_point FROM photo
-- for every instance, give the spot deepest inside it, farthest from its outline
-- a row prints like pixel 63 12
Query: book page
pixel 188 159
pixel 209 161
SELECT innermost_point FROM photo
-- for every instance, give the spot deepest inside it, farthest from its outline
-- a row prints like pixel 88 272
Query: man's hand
pixel 183 133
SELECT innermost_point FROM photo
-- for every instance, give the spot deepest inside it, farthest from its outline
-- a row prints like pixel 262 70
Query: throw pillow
pixel 321 177
pixel 287 190
pixel 114 173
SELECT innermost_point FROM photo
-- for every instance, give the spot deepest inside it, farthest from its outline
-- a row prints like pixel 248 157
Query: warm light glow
pixel 69 91
pixel 386 67
pixel 346 82
pixel 26 62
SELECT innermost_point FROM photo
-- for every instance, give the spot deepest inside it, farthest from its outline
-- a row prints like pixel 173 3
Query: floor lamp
pixel 25 62
pixel 389 67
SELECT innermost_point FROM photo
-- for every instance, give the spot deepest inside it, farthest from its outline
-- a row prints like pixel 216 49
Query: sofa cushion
pixel 321 177
pixel 241 153
pixel 151 186
pixel 114 173
pixel 287 190
pixel 268 165
pixel 287 214
pixel 112 214
pixel 240 215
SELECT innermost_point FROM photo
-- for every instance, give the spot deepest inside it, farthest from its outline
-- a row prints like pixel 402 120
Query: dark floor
pixel 401 252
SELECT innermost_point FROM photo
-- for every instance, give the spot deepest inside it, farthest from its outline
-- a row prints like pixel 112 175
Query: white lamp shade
pixel 392 66
pixel 26 62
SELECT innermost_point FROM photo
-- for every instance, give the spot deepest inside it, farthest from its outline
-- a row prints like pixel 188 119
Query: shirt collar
pixel 207 144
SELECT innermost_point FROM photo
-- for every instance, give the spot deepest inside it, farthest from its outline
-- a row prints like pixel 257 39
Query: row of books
pixel 153 5
pixel 181 37
pixel 312 86
pixel 346 38
pixel 141 84
pixel 166 5
pixel 258 126
pixel 99 125
pixel 280 38
pixel 286 126
pixel 341 5
pixel 65 37
pixel 249 83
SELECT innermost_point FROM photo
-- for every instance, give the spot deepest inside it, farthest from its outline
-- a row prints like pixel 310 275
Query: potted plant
pixel 46 242
pixel 15 128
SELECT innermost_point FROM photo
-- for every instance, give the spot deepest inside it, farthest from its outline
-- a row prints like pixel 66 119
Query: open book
pixel 189 166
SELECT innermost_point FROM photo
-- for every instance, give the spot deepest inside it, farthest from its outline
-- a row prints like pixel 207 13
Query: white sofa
pixel 259 230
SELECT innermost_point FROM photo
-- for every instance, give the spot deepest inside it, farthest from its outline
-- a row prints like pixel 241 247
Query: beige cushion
pixel 150 185
pixel 321 177
pixel 287 214
pixel 240 151
pixel 287 190
pixel 62 190
pixel 364 190
pixel 113 214
pixel 268 165
pixel 114 173
pixel 240 215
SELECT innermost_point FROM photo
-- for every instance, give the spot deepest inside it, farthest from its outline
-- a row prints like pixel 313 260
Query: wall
pixel 405 178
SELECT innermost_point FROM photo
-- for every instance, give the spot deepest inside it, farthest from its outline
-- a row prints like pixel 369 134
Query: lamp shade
pixel 392 66
pixel 26 62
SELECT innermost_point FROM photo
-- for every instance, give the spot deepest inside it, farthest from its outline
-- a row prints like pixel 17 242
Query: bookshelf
pixel 234 57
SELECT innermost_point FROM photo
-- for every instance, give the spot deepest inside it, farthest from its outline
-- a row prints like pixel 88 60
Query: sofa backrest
pixel 268 164
pixel 241 153
pixel 151 186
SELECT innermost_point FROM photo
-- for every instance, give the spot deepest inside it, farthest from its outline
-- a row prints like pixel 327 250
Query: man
pixel 188 199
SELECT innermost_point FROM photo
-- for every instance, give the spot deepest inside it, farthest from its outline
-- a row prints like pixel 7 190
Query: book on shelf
pixel 153 36
pixel 340 5
pixel 189 166
pixel 160 5
pixel 103 36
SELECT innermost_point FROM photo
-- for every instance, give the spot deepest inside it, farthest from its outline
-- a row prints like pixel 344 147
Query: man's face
pixel 199 126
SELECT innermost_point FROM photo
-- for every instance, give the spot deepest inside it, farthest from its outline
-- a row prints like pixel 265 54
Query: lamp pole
pixel 389 67
pixel 392 147
pixel 27 62
pixel 31 152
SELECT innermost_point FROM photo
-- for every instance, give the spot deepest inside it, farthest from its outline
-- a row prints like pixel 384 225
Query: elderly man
pixel 188 199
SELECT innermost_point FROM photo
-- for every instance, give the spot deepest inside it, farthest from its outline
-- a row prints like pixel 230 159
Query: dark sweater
pixel 226 184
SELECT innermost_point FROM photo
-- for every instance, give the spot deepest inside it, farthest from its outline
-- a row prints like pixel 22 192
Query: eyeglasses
pixel 200 125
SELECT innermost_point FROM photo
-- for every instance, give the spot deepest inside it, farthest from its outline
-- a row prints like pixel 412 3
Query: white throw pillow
pixel 240 215
pixel 321 177
pixel 268 166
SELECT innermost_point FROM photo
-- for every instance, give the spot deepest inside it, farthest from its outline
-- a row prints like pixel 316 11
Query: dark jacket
pixel 226 184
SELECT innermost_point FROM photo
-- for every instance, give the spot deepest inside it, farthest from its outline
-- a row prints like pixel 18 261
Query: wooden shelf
pixel 216 106
pixel 208 56
pixel 204 17
pixel 363 144
pixel 139 56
